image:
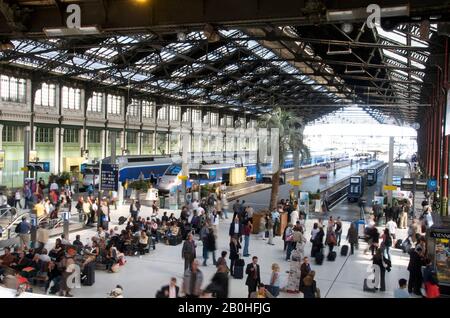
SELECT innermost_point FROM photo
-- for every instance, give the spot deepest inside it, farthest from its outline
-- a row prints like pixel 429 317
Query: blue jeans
pixel 225 213
pixel 246 242
pixel 274 290
pixel 290 248
pixel 205 255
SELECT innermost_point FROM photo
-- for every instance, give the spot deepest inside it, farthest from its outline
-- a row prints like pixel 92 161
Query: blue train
pixel 264 170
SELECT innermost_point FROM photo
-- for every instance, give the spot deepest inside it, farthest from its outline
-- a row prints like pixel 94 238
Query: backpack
pixel 17 229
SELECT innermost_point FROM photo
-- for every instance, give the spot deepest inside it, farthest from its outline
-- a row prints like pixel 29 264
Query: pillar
pixel 26 148
pixel 59 145
pixel 83 141
pixel 154 142
pixel 123 140
pixel 390 167
pixel 140 135
pixel 33 139
pixel 104 142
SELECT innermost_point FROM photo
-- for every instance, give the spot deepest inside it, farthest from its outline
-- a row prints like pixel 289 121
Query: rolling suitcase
pixel 331 256
pixel 344 250
pixel 406 245
pixel 88 277
pixel 366 287
pixel 398 244
pixel 319 258
pixel 239 269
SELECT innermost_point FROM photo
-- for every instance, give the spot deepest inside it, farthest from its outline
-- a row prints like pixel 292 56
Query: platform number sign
pixel 110 177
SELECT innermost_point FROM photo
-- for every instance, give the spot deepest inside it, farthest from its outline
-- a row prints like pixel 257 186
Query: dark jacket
pixel 309 291
pixel 138 207
pixel 165 289
pixel 304 270
pixel 219 285
pixel 318 240
pixel 231 231
pixel 250 278
pixel 234 250
pixel 352 235
pixel 188 250
pixel 211 241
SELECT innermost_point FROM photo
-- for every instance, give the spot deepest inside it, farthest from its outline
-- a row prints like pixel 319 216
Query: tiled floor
pixel 143 276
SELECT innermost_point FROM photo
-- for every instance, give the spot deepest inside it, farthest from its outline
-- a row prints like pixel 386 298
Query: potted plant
pixel 140 186
pixel 63 179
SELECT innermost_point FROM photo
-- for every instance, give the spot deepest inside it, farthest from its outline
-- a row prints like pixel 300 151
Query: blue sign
pixel 46 166
pixel 432 185
pixel 109 179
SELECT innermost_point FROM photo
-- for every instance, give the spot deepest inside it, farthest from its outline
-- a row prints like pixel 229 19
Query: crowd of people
pixel 199 222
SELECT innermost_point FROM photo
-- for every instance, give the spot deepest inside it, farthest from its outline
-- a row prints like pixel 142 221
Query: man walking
pixel 188 252
pixel 24 233
pixel 236 229
pixel 192 282
pixel 253 276
pixel 236 208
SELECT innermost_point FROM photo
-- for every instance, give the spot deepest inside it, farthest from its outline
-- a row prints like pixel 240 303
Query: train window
pixel 354 180
pixel 173 170
pixel 203 176
pixel 141 159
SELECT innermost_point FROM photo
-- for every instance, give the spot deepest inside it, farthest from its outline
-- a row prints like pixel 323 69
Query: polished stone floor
pixel 143 276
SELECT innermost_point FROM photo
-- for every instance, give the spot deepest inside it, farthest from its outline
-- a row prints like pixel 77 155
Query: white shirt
pixel 215 219
pixel 236 228
pixel 44 258
pixel 65 242
pixel 172 292
pixel 18 196
pixel 294 217
pixel 54 186
pixel 200 210
pixel 392 226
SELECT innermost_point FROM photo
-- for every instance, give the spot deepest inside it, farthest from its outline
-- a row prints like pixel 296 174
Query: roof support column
pixel 445 145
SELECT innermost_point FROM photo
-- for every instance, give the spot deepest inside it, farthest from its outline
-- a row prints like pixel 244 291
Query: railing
pixel 13 222
pixel 8 210
pixel 337 196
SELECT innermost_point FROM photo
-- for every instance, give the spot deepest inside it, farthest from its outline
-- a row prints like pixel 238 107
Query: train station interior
pixel 224 149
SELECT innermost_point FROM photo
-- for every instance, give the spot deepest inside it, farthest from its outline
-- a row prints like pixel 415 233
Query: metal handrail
pixel 6 210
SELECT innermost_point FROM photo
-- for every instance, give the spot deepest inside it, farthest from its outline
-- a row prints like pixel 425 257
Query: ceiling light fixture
pixel 361 13
pixel 339 52
pixel 356 71
pixel 181 36
pixel 59 32
pixel 347 27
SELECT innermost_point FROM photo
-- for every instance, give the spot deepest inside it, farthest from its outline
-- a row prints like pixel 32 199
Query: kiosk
pixel 438 237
